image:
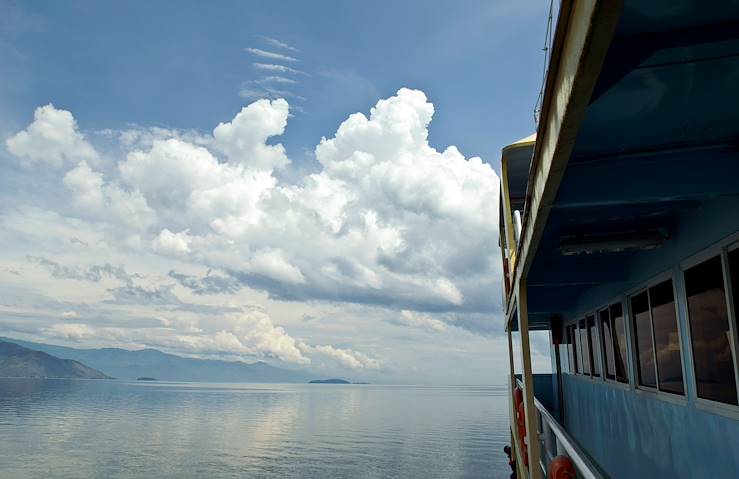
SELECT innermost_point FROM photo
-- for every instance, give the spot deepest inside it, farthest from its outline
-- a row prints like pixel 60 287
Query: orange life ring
pixel 561 467
pixel 518 395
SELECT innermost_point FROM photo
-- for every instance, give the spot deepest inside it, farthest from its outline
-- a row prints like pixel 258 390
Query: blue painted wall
pixel 633 436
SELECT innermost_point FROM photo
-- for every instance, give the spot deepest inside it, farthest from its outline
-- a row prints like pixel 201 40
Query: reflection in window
pixel 594 345
pixel 619 341
pixel 643 337
pixel 607 342
pixel 584 348
pixel 709 331
pixel 666 338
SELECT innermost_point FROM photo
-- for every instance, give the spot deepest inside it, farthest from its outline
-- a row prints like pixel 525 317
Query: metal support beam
pixel 532 433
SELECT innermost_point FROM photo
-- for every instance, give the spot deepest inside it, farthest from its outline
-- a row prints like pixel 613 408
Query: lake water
pixel 106 429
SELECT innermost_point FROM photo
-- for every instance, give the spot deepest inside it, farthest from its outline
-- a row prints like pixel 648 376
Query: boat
pixel 619 236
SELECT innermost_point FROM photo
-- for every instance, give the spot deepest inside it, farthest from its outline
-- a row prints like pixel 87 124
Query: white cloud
pixel 244 138
pixel 169 243
pixel 52 139
pixel 272 67
pixel 106 201
pixel 271 55
pixel 420 320
pixel 72 331
pixel 277 43
pixel 387 220
pixel 274 79
pixel 347 358
pixel 272 263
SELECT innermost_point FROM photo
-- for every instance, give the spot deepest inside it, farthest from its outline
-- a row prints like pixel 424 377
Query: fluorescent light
pixel 613 243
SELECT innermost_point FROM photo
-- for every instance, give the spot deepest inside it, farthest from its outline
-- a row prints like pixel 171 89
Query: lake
pixel 105 429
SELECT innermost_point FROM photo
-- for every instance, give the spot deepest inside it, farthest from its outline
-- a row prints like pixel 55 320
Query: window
pixel 659 362
pixel 593 345
pixel 709 329
pixel 618 327
pixel 606 340
pixel 643 339
pixel 570 348
pixel 734 272
pixel 576 348
pixel 584 348
pixel 666 338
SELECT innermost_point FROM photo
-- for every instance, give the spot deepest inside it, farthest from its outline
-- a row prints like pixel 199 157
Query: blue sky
pixel 159 202
pixel 116 63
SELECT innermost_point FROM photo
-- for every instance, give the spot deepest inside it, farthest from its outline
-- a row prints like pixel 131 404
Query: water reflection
pixel 113 428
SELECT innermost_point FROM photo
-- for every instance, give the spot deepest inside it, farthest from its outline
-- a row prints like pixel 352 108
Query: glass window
pixel 607 342
pixel 643 339
pixel 570 348
pixel 666 338
pixel 709 331
pixel 619 341
pixel 576 349
pixel 594 345
pixel 584 348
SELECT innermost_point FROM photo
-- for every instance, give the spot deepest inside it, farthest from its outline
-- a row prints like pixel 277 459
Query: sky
pixel 308 183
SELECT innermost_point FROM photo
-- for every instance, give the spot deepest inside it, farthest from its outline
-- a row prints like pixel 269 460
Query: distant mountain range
pixel 126 364
pixel 19 362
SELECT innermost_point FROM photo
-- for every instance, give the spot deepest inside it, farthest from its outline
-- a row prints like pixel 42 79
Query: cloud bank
pixel 388 221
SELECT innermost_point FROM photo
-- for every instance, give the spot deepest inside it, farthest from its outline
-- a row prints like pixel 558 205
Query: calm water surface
pixel 67 428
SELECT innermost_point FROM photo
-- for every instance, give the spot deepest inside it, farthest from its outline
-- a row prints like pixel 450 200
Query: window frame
pixel 639 388
pixel 602 340
pixel 582 316
pixel 626 314
pixel 591 349
pixel 721 249
pixel 576 331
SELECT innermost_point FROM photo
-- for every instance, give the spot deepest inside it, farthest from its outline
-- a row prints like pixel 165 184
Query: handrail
pixel 563 444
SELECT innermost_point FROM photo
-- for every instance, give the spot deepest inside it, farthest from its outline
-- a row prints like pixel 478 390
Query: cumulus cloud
pixel 246 333
pixel 243 140
pixel 388 220
pixel 52 139
pixel 420 320
pixel 100 200
pixel 271 55
pixel 347 358
pixel 71 331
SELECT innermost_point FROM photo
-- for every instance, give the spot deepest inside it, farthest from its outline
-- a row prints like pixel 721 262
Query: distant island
pixel 19 362
pixel 144 378
pixel 329 381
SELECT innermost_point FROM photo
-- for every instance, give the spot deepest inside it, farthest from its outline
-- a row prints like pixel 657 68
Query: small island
pixel 329 381
pixel 146 379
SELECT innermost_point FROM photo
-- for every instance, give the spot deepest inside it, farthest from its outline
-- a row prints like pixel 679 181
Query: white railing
pixel 555 441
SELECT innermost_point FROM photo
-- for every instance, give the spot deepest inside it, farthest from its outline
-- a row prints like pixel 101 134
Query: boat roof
pixel 639 124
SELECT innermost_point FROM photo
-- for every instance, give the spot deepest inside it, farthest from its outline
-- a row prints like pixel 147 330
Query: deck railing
pixel 555 441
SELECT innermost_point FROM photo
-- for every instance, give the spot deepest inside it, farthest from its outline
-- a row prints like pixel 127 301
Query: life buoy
pixel 521 415
pixel 518 395
pixel 561 467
